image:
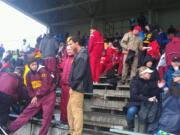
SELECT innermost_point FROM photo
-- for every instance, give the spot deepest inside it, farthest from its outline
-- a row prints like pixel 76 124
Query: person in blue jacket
pixel 175 64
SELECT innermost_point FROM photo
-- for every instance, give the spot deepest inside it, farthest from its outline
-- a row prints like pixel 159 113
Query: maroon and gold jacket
pixel 11 85
pixel 40 83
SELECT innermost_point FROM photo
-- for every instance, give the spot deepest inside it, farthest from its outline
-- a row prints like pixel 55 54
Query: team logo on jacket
pixel 36 84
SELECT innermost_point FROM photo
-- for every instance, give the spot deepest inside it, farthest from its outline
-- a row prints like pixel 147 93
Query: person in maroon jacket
pixel 64 84
pixel 41 88
pixel 11 90
pixel 95 49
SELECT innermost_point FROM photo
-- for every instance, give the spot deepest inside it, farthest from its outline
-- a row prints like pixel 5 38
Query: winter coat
pixel 40 82
pixel 142 90
pixel 80 79
pixel 170 115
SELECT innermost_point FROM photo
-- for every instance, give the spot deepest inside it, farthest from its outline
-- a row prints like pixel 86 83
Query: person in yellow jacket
pixel 36 54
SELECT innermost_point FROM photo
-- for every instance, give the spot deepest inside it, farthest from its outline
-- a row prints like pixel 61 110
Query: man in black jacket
pixel 80 81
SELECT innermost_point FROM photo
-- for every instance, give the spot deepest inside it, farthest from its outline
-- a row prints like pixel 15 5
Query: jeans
pixel 132 111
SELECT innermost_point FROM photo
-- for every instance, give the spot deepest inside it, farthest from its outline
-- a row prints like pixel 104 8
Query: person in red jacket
pixel 103 63
pixel 120 67
pixel 95 49
pixel 64 84
pixel 11 90
pixel 41 89
pixel 110 54
pixel 154 50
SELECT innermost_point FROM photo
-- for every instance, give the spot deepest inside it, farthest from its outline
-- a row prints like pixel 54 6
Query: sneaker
pixel 64 126
pixel 4 130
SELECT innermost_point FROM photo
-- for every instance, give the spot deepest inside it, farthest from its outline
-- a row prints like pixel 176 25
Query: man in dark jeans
pixel 80 81
pixel 11 89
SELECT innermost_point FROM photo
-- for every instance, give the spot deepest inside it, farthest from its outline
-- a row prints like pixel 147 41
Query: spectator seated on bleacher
pixel 144 94
pixel 175 65
pixel 170 115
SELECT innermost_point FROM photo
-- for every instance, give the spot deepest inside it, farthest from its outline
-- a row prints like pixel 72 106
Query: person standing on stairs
pixel 65 67
pixel 95 49
pixel 131 44
pixel 80 81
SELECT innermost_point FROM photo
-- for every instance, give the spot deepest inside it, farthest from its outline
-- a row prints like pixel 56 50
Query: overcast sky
pixel 14 26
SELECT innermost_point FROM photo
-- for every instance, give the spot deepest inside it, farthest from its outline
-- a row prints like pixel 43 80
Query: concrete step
pixel 99 126
pixel 112 93
pixel 106 109
pixel 109 104
pixel 123 87
pixel 103 86
pixel 105 118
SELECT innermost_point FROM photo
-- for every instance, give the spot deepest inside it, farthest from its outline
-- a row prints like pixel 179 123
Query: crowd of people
pixel 75 63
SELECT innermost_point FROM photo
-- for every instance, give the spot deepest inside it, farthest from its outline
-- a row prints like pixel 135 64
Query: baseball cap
pixel 138 28
pixel 144 69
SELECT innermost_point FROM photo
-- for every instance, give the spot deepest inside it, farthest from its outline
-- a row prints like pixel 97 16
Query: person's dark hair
pixel 171 30
pixel 76 39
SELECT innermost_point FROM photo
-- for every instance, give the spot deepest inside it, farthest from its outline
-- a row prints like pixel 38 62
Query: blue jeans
pixel 132 111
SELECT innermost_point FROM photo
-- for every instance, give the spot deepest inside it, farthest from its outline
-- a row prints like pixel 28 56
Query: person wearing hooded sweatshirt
pixel 149 62
pixel 95 49
pixel 11 90
pixel 41 89
pixel 65 65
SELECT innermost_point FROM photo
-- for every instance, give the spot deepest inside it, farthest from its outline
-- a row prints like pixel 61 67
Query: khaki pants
pixel 126 68
pixel 75 112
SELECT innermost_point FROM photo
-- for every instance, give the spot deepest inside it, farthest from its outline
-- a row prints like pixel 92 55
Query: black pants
pixel 5 103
